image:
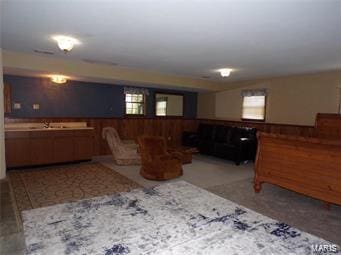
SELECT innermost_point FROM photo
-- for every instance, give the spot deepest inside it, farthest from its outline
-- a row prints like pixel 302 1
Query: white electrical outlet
pixel 17 106
pixel 36 106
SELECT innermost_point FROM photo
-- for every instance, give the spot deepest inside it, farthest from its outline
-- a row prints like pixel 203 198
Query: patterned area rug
pixel 173 218
pixel 55 185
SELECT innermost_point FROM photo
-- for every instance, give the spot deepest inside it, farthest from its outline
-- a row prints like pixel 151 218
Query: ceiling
pixel 189 38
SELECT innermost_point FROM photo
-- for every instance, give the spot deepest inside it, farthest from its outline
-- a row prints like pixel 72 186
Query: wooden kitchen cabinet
pixel 17 144
pixel 63 146
pixel 29 148
pixel 40 151
pixel 40 148
pixel 83 144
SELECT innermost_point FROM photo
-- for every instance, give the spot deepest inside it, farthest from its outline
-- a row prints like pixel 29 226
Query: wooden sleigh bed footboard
pixel 309 166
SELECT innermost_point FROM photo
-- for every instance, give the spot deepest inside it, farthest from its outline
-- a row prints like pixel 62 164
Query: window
pixel 134 104
pixel 254 105
pixel 161 107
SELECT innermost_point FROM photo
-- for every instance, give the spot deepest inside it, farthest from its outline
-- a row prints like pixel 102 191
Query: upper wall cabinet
pixel 169 105
pixel 7 98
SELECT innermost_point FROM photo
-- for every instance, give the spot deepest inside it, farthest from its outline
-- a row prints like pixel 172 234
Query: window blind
pixel 254 107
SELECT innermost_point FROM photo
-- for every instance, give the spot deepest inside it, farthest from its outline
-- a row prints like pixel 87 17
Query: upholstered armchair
pixel 124 153
pixel 157 163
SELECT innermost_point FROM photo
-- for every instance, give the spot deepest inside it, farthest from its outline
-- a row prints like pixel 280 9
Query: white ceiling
pixel 190 38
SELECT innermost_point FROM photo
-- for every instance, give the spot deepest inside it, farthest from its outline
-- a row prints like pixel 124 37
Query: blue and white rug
pixel 173 218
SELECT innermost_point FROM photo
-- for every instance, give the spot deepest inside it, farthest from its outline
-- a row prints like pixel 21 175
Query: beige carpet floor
pixel 55 185
pixel 220 177
pixel 300 211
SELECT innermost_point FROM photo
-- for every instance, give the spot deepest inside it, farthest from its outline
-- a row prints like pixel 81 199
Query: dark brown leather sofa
pixel 232 143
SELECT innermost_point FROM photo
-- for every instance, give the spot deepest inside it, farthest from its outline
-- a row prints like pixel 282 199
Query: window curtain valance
pixel 131 90
pixel 254 92
pixel 161 99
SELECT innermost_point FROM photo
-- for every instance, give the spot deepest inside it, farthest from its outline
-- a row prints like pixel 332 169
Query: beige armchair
pixel 124 153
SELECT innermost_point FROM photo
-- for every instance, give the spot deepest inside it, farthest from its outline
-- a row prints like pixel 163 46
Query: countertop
pixel 46 129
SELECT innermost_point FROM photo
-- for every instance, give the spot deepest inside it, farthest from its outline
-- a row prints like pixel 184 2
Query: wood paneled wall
pixel 285 129
pixel 128 128
pixel 170 128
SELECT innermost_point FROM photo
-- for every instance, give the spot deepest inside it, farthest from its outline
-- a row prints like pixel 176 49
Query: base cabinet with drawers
pixel 31 148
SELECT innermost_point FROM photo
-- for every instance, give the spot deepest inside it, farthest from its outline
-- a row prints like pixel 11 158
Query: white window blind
pixel 161 108
pixel 254 107
pixel 134 104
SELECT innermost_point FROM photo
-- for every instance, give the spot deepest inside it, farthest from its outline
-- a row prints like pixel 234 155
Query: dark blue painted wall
pixel 79 99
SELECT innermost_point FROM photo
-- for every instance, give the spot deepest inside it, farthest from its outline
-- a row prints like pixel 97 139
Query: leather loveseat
pixel 232 143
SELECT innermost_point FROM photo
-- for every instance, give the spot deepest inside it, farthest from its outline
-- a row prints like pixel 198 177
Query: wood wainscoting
pixel 128 128
pixel 274 128
pixel 171 128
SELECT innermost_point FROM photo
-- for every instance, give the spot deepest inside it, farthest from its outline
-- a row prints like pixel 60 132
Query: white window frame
pixel 251 118
pixel 143 103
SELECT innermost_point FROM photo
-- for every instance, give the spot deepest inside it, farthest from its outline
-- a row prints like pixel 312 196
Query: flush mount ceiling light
pixel 65 43
pixel 57 78
pixel 225 72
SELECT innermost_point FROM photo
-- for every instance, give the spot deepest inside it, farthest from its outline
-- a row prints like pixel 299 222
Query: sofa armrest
pixel 246 149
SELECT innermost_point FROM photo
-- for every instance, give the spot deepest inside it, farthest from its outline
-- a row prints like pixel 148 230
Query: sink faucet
pixel 46 124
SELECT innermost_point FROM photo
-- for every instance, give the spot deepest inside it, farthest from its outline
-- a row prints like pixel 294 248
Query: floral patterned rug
pixel 47 186
pixel 171 219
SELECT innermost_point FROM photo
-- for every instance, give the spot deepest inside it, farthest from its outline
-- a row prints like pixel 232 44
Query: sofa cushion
pixel 222 134
pixel 235 135
pixel 206 146
pixel 225 150
pixel 206 131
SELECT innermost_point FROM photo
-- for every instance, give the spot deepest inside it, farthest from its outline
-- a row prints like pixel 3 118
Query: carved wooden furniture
pixel 308 165
pixel 37 147
pixel 157 163
pixel 123 153
pixel 328 125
